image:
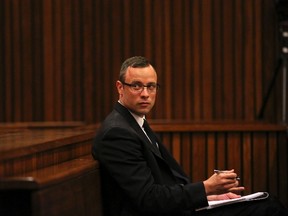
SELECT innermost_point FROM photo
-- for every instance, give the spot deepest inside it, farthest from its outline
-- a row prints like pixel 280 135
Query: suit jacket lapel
pixel 133 123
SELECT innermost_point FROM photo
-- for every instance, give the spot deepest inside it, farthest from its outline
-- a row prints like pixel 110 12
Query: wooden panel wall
pixel 257 152
pixel 59 59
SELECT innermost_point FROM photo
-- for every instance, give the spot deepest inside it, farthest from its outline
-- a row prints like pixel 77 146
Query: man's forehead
pixel 140 72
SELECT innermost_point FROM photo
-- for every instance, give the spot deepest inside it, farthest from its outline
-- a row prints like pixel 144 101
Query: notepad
pixel 250 197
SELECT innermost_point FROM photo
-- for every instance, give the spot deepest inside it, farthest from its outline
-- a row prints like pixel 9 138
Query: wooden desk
pixel 41 125
pixel 20 126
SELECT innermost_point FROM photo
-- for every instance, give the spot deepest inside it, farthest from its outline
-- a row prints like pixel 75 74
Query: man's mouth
pixel 144 104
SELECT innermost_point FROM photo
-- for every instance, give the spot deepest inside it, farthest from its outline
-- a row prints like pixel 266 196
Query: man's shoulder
pixel 119 120
pixel 114 119
pixel 114 122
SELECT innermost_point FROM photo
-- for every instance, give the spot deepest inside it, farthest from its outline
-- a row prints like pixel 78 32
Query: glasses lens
pixel 151 87
pixel 137 86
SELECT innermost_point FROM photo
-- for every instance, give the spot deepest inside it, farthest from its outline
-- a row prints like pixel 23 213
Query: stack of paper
pixel 250 197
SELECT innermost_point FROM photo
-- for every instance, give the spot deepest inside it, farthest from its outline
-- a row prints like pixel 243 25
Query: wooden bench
pixel 48 171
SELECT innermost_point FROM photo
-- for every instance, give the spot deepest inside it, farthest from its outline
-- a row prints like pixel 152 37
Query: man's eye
pixel 136 86
pixel 151 86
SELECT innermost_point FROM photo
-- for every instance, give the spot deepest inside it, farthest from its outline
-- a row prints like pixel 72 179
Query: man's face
pixel 139 102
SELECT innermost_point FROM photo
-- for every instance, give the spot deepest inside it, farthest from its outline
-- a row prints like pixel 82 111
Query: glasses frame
pixel 131 85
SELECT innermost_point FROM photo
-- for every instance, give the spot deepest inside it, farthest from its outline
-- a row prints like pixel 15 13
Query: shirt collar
pixel 139 120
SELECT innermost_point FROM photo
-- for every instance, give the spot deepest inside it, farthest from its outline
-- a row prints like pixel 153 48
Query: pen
pixel 223 171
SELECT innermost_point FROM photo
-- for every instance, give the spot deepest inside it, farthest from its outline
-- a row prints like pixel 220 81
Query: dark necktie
pixel 149 133
pixel 152 138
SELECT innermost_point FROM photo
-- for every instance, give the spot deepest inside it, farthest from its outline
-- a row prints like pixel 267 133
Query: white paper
pixel 250 197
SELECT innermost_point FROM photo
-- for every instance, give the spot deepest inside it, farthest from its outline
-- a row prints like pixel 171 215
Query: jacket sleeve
pixel 121 153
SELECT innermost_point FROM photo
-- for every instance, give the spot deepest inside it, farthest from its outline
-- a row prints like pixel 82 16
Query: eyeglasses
pixel 139 87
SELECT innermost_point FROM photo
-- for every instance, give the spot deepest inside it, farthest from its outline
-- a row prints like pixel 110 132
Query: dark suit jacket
pixel 136 179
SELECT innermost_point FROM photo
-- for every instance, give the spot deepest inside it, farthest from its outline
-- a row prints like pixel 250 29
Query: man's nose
pixel 144 91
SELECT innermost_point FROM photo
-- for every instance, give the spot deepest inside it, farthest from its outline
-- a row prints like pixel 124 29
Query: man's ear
pixel 119 87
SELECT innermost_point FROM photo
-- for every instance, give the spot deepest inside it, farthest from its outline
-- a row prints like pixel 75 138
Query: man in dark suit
pixel 139 176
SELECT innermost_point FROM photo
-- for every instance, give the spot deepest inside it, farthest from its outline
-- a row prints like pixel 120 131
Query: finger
pixel 224 171
pixel 229 186
pixel 229 181
pixel 229 175
pixel 231 195
pixel 236 189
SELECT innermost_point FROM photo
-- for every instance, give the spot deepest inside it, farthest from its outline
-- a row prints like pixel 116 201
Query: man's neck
pixel 133 113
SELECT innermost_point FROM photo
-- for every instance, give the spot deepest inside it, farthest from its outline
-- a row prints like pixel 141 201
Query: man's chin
pixel 142 112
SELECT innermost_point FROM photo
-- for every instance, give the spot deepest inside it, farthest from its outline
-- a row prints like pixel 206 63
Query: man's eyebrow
pixel 143 83
pixel 135 81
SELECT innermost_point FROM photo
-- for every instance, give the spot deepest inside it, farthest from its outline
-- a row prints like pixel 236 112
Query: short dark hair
pixel 135 62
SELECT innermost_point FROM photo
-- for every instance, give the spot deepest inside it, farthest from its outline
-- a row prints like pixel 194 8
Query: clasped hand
pixel 223 185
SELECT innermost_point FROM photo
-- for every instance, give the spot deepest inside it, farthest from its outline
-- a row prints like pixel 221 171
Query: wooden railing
pixel 257 151
pixel 50 171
